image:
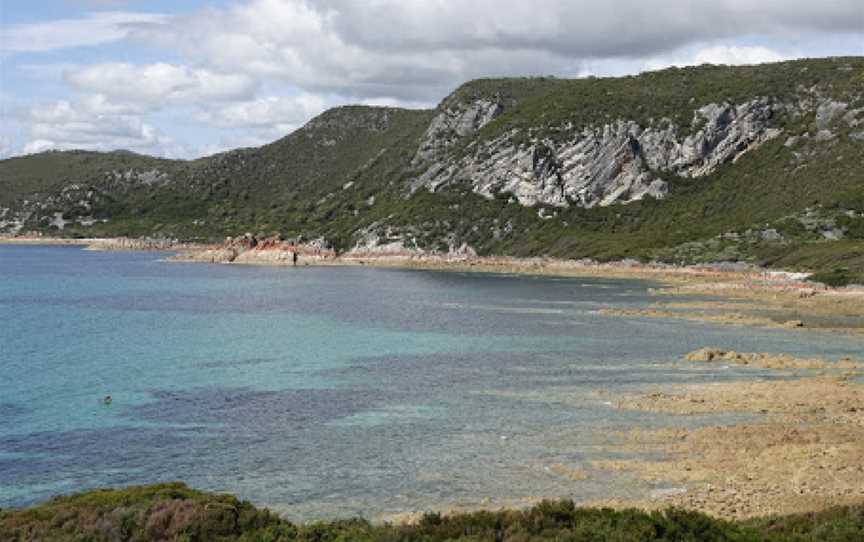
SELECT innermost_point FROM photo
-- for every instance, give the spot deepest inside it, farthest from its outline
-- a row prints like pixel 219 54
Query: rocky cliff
pixel 597 165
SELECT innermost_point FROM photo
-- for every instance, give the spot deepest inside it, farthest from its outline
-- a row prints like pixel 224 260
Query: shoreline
pixel 722 294
pixel 46 241
pixel 536 265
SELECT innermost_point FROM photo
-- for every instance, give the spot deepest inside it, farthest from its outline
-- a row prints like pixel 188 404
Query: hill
pixel 712 163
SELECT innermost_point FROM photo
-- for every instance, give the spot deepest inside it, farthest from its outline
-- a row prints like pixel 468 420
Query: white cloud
pixel 716 54
pixel 285 111
pixel 95 29
pixel 234 141
pixel 303 44
pixel 160 84
pixel 39 145
pixel 417 50
pixel 260 121
pixel 393 102
pixel 87 125
pixel 94 123
pixel 722 54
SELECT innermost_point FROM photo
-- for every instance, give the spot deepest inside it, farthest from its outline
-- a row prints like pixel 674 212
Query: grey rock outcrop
pixel 448 126
pixel 600 165
pixel 828 112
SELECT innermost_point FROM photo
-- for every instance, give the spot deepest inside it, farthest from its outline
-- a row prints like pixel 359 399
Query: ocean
pixel 327 392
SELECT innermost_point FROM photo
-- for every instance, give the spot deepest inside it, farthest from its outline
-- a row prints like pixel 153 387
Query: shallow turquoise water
pixel 327 391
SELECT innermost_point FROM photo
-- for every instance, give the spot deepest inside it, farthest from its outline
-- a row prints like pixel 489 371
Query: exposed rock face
pixel 724 133
pixel 598 165
pixel 829 112
pixel 379 240
pixel 73 203
pixel 132 178
pixel 254 250
pixel 143 243
pixel 388 242
pixel 454 123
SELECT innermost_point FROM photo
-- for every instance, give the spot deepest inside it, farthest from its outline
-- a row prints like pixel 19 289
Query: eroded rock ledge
pixel 802 450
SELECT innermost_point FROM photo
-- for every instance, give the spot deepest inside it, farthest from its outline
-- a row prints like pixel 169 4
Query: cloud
pixel 416 50
pixel 303 43
pixel 95 29
pixel 723 54
pixel 95 123
pixel 716 54
pixel 90 125
pixel 280 111
pixel 579 28
pixel 158 85
pixel 233 141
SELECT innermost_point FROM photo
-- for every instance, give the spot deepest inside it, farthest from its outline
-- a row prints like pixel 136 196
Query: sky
pixel 184 79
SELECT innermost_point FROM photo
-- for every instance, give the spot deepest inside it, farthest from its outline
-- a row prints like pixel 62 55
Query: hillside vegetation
pixel 781 183
pixel 173 512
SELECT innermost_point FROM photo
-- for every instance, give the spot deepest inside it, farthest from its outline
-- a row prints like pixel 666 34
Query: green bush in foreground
pixel 174 512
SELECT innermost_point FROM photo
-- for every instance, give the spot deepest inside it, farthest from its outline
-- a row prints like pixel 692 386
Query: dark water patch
pixel 9 411
pixel 499 379
pixel 92 458
pixel 80 460
pixel 424 371
pixel 467 304
pixel 227 364
pixel 166 301
pixel 254 409
pixel 119 444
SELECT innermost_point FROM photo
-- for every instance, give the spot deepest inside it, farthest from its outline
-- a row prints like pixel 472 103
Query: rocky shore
pixel 38 240
pixel 107 244
pixel 252 250
pixel 801 451
pixel 141 244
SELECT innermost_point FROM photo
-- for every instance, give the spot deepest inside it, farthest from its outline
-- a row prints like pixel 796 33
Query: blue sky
pixel 185 79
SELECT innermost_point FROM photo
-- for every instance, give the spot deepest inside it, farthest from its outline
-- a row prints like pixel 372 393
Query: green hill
pixel 761 164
